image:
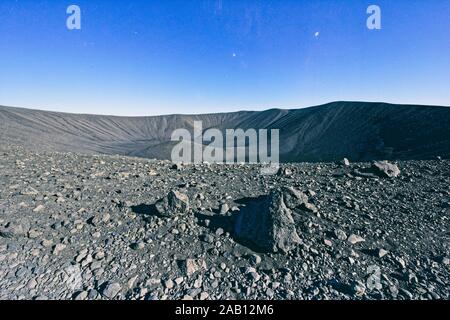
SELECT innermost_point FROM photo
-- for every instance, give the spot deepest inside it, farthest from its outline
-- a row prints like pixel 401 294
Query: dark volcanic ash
pixel 110 227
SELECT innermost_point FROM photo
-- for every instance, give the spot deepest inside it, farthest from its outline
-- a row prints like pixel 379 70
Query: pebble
pixel 39 208
pixel 204 296
pixel 58 248
pixel 191 266
pixel 169 284
pixel 255 259
pixel 111 290
pixel 224 208
pixel 345 162
pixel 252 274
pixel 179 280
pixel 340 234
pixel 354 239
pixel 381 253
pixel 358 288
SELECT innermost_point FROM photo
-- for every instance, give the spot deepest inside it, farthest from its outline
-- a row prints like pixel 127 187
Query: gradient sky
pixel 136 57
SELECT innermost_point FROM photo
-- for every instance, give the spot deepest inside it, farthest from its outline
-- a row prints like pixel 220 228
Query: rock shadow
pixel 145 210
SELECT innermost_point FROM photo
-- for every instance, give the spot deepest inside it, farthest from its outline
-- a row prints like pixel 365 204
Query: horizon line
pixel 222 112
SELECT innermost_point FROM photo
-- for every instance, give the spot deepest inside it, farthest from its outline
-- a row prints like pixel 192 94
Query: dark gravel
pixel 86 227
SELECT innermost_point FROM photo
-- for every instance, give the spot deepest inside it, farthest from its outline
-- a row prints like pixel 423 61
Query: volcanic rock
pixel 111 290
pixel 386 169
pixel 104 217
pixel 268 222
pixel 191 266
pixel 15 229
pixel 174 203
pixel 354 239
pixel 224 208
pixel 345 162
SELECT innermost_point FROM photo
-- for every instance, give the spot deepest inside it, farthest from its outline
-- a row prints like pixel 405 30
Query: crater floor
pixel 84 227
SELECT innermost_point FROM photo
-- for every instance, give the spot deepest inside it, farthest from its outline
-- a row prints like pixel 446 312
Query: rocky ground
pixel 110 227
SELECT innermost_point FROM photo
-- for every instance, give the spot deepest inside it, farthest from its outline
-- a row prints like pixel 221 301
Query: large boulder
pixel 267 223
pixel 385 169
pixel 174 203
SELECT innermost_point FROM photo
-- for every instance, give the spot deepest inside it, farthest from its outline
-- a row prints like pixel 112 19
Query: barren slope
pixel 357 130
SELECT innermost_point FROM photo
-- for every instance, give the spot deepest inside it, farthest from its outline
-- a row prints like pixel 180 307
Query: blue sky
pixel 139 57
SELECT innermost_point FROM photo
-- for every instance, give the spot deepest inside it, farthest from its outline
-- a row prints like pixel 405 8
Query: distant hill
pixel 359 131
